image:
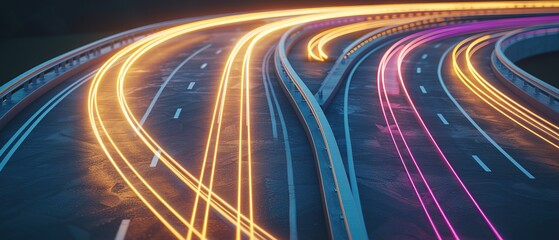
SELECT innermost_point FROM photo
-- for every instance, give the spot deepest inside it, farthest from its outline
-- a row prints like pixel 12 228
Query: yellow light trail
pixel 534 117
pixel 139 130
pixel 209 194
pixel 256 35
pixel 512 106
pixel 317 44
pixel 499 101
pixel 139 48
pixel 92 113
pixel 172 168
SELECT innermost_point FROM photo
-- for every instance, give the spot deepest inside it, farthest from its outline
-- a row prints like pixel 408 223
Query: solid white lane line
pixel 478 160
pixel 203 66
pixel 122 229
pixel 267 91
pixel 152 103
pixel 177 113
pixel 423 90
pixel 497 146
pixel 37 117
pixel 191 85
pixel 155 158
pixel 418 70
pixel 424 56
pixel 349 149
pixel 442 119
pixel 289 160
pixel 218 51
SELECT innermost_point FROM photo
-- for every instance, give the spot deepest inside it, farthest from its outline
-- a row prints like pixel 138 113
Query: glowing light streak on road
pixel 317 44
pixel 524 111
pixel 208 196
pixel 202 191
pixel 408 48
pixel 385 103
pixel 505 105
pixel 94 115
pixel 226 212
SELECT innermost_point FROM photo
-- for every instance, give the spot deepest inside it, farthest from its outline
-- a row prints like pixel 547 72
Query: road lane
pixel 164 84
pixel 485 135
pixel 86 186
pixel 506 186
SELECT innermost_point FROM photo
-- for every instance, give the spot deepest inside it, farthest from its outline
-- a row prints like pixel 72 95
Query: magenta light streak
pixel 382 67
pixel 408 48
pixel 402 160
pixel 414 44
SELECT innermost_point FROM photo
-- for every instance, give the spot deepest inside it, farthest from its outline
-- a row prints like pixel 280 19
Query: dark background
pixel 33 31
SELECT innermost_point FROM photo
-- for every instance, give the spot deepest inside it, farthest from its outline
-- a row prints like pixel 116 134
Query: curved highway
pixel 381 121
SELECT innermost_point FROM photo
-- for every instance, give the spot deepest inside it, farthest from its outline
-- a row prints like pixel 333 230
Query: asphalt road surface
pixel 425 157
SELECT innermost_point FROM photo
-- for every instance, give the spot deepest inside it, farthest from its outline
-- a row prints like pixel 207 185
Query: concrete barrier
pixel 344 218
pixel 521 44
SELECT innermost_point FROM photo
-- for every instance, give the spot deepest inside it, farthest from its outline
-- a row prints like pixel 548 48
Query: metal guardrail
pixel 539 39
pixel 64 62
pixel 23 89
pixel 345 220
